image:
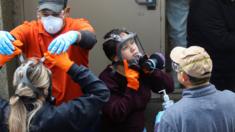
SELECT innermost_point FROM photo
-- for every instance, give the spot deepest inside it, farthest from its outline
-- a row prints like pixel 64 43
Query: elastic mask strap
pixel 26 81
pixel 50 98
pixel 137 39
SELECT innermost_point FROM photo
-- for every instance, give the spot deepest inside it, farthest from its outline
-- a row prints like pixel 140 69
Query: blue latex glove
pixel 6 46
pixel 62 42
pixel 159 117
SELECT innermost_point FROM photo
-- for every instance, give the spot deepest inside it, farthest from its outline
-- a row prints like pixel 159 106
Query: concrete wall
pixel 10 16
pixel 3 73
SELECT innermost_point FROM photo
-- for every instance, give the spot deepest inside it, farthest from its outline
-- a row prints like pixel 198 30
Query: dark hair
pixel 198 81
pixel 110 46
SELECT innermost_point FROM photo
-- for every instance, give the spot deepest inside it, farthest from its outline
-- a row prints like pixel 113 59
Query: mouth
pixel 137 55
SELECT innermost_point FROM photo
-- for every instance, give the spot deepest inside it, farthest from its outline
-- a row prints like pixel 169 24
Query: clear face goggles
pixel 126 41
pixel 176 67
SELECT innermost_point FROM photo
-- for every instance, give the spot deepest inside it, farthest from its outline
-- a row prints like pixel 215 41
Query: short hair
pixel 197 81
pixel 110 46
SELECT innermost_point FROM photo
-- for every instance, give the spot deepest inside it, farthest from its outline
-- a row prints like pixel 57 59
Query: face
pixel 130 49
pixel 52 22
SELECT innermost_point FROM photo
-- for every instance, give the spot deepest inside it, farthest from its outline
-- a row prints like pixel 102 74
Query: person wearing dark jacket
pixel 130 87
pixel 211 26
pixel 31 107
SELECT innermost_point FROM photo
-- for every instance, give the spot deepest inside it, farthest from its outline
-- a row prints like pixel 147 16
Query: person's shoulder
pixel 32 23
pixel 227 94
pixel 77 20
pixel 177 109
pixel 107 72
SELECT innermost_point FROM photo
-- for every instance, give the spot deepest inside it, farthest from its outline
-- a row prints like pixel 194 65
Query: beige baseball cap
pixel 194 61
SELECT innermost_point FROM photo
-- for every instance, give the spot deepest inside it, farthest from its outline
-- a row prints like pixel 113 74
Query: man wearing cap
pixel 203 108
pixel 55 32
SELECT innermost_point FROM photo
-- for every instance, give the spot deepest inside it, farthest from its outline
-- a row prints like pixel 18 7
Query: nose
pixel 132 48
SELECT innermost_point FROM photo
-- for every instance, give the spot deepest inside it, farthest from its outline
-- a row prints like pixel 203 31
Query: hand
pixel 132 76
pixel 17 51
pixel 6 47
pixel 63 41
pixel 62 60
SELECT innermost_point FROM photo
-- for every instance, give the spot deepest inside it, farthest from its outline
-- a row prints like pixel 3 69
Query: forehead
pixel 47 11
pixel 123 34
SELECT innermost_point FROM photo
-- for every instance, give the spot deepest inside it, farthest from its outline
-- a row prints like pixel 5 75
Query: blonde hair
pixel 39 77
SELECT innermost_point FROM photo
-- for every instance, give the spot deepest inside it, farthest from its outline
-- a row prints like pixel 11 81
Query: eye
pixel 125 47
pixel 48 13
pixel 45 14
pixel 55 14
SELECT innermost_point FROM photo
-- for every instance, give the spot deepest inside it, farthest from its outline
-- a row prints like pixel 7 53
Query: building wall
pixel 10 16
pixel 3 73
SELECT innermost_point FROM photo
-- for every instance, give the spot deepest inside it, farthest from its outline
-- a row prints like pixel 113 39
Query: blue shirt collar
pixel 199 91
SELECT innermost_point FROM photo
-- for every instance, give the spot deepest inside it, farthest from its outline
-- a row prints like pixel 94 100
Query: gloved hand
pixel 62 60
pixel 17 51
pixel 63 41
pixel 132 76
pixel 6 47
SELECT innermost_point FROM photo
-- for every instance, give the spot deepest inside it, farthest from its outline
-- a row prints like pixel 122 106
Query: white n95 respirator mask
pixel 52 24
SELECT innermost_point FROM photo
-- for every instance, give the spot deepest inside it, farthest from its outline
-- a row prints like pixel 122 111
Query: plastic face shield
pixel 126 41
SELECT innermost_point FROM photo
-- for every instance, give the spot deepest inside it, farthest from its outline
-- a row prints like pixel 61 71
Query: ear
pixel 38 15
pixel 184 77
pixel 115 58
pixel 66 11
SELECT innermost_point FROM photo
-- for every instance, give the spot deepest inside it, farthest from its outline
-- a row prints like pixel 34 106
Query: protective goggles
pixel 176 67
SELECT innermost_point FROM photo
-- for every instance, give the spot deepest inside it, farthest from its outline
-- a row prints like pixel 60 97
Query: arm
pixel 161 80
pixel 120 105
pixel 88 39
pixel 210 21
pixel 80 112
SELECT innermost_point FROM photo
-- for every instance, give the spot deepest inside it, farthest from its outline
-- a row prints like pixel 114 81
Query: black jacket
pixel 211 24
pixel 77 115
pixel 4 110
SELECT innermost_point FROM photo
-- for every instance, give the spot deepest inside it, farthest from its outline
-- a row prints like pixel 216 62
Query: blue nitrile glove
pixel 159 117
pixel 158 120
pixel 62 42
pixel 6 46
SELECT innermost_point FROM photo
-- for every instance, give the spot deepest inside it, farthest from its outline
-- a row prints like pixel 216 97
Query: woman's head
pixel 120 44
pixel 31 80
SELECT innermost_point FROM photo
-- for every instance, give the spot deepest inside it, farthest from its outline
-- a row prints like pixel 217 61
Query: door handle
pixel 151 4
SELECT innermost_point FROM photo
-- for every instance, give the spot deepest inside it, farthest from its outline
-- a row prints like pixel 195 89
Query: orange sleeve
pixel 84 24
pixel 21 32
